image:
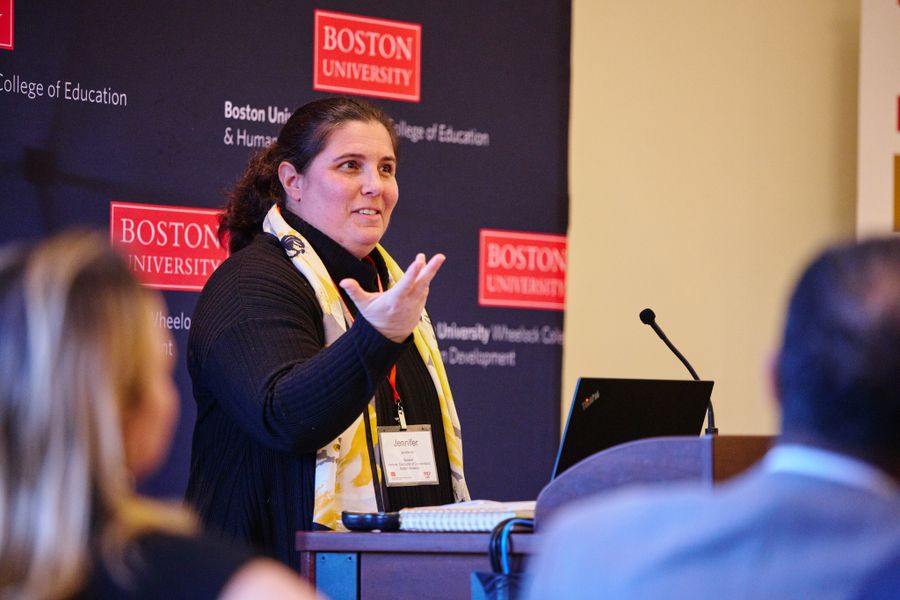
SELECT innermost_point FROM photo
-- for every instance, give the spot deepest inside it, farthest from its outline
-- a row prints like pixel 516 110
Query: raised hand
pixel 395 312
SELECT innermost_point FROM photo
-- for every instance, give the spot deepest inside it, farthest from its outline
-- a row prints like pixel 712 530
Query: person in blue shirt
pixel 819 512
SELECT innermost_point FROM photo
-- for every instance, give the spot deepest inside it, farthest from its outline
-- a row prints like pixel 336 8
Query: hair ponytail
pixel 250 199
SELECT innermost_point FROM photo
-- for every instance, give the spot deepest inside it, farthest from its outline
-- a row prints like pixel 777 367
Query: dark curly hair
pixel 300 140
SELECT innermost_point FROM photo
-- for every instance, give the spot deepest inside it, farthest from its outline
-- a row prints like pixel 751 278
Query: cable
pixel 499 546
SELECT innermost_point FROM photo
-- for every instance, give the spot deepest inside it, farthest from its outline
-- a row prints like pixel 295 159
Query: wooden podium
pixel 398 565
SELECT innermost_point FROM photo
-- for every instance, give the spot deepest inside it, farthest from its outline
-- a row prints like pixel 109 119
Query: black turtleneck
pixel 414 384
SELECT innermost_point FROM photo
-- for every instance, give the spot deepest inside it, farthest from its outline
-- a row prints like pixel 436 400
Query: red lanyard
pixel 392 377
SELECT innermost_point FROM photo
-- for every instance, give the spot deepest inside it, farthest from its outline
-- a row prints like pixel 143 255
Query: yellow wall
pixel 713 149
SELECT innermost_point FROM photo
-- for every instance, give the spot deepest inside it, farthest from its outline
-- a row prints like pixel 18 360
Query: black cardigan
pixel 269 394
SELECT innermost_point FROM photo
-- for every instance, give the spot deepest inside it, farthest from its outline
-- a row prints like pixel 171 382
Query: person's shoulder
pixel 204 566
pixel 207 561
pixel 176 546
pixel 263 254
pixel 883 581
pixel 253 273
pixel 167 565
pixel 596 542
pixel 646 506
pixel 641 497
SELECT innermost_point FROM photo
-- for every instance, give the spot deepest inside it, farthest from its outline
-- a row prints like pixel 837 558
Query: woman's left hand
pixel 396 312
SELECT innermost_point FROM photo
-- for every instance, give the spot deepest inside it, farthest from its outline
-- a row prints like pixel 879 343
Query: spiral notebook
pixel 477 515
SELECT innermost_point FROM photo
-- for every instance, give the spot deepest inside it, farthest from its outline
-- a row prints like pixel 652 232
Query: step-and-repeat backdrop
pixel 134 117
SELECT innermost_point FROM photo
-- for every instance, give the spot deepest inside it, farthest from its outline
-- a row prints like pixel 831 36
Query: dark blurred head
pixel 838 374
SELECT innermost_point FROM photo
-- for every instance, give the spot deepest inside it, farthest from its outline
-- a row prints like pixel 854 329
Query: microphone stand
pixel 648 317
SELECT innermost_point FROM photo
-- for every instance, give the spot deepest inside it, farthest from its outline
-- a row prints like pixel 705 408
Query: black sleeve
pixel 257 352
pixel 271 375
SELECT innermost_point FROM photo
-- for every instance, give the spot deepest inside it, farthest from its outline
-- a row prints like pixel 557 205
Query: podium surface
pixel 397 565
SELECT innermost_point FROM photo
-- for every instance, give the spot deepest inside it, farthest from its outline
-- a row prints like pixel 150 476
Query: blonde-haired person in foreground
pixel 87 404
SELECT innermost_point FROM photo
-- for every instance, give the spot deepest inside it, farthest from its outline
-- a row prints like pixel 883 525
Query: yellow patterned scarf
pixel 343 474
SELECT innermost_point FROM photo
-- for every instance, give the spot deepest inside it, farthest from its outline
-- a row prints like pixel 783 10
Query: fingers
pixel 419 274
pixel 431 268
pixel 353 289
pixel 396 311
pixel 420 271
pixel 415 280
pixel 412 273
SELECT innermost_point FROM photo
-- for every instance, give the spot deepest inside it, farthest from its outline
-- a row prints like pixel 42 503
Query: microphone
pixel 648 317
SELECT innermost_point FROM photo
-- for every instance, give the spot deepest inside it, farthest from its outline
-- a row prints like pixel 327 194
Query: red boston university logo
pixel 367 56
pixel 6 24
pixel 522 269
pixel 168 247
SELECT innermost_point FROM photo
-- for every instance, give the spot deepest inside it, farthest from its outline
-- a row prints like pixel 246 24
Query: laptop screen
pixel 608 412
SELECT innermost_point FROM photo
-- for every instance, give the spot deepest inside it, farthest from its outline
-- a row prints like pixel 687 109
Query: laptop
pixel 608 412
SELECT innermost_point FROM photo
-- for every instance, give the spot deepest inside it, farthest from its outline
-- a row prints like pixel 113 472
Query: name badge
pixel 407 456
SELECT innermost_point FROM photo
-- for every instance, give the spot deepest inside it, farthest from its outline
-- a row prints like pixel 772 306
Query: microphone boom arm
pixel 674 350
pixel 648 317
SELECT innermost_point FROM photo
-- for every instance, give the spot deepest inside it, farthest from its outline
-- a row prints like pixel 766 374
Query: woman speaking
pixel 310 347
